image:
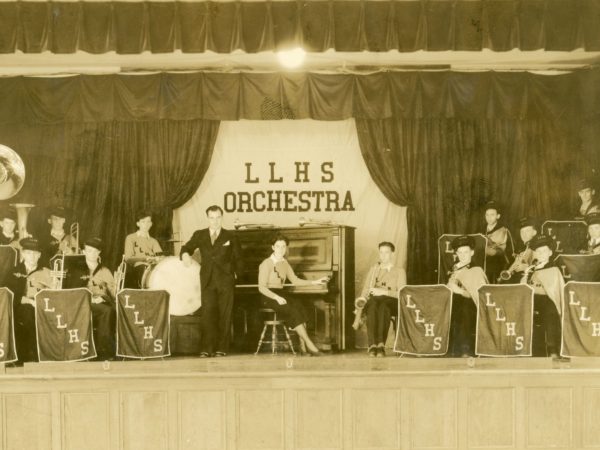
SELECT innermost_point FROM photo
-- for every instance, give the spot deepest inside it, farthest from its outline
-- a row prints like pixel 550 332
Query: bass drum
pixel 181 282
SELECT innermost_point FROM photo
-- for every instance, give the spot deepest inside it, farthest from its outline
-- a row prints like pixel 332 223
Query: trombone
pixel 74 232
pixel 120 276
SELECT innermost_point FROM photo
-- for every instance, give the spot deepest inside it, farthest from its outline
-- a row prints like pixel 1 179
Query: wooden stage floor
pixel 339 401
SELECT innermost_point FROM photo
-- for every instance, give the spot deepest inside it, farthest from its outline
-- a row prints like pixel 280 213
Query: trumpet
pixel 58 273
pixel 120 276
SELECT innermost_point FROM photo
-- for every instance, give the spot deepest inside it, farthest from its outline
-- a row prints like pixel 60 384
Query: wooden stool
pixel 274 341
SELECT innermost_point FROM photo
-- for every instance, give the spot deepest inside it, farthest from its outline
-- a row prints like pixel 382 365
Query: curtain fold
pixel 346 25
pixel 258 96
pixel 445 170
pixel 105 172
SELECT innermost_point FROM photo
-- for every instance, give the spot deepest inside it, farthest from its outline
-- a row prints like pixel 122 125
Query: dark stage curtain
pixel 445 170
pixel 106 171
pixel 408 25
pixel 260 96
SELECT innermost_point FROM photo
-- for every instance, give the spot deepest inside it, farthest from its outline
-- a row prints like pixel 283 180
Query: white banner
pixel 280 171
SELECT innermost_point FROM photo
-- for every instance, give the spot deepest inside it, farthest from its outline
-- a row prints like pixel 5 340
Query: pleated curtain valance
pixel 264 96
pixel 254 26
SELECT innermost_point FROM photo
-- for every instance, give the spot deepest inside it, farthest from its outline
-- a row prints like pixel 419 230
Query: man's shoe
pixel 372 352
pixel 203 355
pixel 380 352
pixel 220 354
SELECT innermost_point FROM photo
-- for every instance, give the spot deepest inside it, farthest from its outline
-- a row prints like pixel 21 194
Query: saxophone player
pixel 28 278
pixel 500 244
pixel 547 282
pixel 464 282
pixel 523 259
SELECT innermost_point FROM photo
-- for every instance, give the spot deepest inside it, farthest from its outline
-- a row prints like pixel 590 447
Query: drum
pixel 181 282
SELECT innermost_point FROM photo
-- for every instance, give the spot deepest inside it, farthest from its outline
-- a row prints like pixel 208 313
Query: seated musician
pixel 547 282
pixel 141 249
pixel 593 245
pixel 380 294
pixel 589 202
pixel 527 231
pixel 272 273
pixel 100 281
pixel 57 241
pixel 464 282
pixel 8 224
pixel 499 245
pixel 28 278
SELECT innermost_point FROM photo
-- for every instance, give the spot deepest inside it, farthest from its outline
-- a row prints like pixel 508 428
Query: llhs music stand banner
pixel 8 351
pixel 504 320
pixel 143 323
pixel 579 267
pixel 423 320
pixel 63 325
pixel 581 319
pixel 570 235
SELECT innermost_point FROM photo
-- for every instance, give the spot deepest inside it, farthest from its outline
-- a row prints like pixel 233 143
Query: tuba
pixel 12 178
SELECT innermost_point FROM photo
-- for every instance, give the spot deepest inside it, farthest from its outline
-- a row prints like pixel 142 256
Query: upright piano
pixel 313 252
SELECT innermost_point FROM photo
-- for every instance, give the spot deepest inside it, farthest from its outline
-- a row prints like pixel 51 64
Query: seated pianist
pixel 527 231
pixel 100 281
pixel 27 279
pixel 464 282
pixel 589 202
pixel 547 282
pixel 272 274
pixel 593 245
pixel 380 298
pixel 8 224
pixel 141 249
pixel 499 245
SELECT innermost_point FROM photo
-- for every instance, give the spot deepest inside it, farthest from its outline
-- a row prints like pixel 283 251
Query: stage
pixel 275 402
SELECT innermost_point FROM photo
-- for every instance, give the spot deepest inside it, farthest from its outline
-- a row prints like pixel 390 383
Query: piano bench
pixel 273 323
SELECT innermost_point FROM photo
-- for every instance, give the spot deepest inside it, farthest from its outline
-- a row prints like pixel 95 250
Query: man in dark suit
pixel 220 262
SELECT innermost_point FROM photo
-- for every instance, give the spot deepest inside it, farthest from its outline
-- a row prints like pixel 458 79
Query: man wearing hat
pixel 587 194
pixel 57 241
pixel 547 282
pixel 499 243
pixel 8 224
pixel 527 231
pixel 28 278
pixel 141 249
pixel 593 245
pixel 100 281
pixel 464 281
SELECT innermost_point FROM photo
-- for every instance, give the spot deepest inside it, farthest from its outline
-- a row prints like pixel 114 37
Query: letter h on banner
pixel 63 325
pixel 143 323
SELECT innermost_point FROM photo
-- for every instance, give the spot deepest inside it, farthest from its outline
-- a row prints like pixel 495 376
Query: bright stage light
pixel 291 58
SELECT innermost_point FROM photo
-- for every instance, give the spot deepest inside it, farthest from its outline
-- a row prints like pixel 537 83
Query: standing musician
pixel 58 241
pixel 220 262
pixel 8 224
pixel 547 282
pixel 587 194
pixel 141 249
pixel 527 231
pixel 380 298
pixel 593 245
pixel 28 278
pixel 100 281
pixel 464 282
pixel 499 245
pixel 272 273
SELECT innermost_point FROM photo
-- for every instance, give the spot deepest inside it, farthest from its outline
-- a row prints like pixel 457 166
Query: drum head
pixel 181 282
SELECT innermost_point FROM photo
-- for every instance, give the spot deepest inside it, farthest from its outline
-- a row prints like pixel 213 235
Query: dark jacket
pixel 221 260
